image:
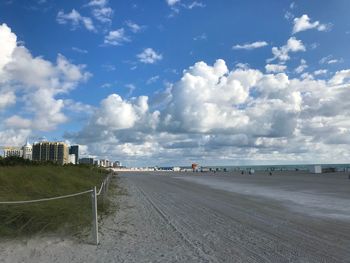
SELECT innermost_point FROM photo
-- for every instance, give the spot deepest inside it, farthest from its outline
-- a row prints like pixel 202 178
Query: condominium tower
pixel 51 151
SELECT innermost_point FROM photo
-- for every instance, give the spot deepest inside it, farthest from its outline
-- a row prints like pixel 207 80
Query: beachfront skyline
pixel 173 82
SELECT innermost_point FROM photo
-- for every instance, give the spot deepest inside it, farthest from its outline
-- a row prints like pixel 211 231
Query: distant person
pixel 270 173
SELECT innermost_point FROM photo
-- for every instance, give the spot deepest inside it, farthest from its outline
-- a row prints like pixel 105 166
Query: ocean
pixel 294 167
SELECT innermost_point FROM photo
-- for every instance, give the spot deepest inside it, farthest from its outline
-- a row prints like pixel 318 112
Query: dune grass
pixel 35 182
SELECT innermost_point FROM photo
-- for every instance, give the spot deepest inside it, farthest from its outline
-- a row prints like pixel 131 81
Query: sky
pixel 171 82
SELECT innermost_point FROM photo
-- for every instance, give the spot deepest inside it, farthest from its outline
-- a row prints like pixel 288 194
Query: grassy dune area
pixel 22 182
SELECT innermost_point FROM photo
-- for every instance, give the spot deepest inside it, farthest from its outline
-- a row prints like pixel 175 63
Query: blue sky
pixel 173 82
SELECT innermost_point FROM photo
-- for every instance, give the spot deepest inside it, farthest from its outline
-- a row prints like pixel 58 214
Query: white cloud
pixel 340 76
pixel 116 37
pixel 333 61
pixel 195 4
pixel 152 79
pixel 80 50
pixel 109 67
pixel 282 53
pixel 131 87
pixel 75 19
pixel 99 3
pixel 116 114
pixel 303 23
pixel 101 11
pixel 249 46
pixel 330 60
pixel 320 72
pixel 275 68
pixel 103 14
pixel 8 43
pixel 241 114
pixel 177 5
pixel 172 2
pixel 14 137
pixel 202 36
pixel 149 56
pixel 301 67
pixel 106 85
pixel 7 99
pixel 37 82
pixel 17 122
pixel 135 28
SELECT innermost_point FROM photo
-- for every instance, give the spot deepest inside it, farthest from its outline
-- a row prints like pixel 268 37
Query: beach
pixel 211 217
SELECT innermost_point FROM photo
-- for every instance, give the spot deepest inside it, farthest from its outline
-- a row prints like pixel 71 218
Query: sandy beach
pixel 207 217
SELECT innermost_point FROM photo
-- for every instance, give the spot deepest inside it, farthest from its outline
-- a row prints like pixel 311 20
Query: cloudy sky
pixel 170 82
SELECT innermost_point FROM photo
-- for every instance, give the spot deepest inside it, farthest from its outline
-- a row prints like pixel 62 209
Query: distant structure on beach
pixel 27 150
pixel 71 159
pixel 74 150
pixel 51 151
pixel 316 169
pixel 12 151
pixel 86 161
pixel 100 162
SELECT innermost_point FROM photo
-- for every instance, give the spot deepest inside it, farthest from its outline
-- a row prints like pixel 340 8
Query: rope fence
pixel 44 199
pixel 103 190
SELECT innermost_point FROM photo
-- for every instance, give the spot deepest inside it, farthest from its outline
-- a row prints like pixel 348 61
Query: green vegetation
pixel 28 181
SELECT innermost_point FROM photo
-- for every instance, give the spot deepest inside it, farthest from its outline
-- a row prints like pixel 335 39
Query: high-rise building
pixel 116 164
pixel 12 151
pixel 105 163
pixel 74 149
pixel 27 151
pixel 71 158
pixel 51 151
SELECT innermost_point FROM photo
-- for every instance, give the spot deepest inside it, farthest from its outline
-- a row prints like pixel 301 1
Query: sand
pixel 222 217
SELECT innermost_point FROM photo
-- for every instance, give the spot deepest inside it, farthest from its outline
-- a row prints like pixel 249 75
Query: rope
pixel 103 183
pixel 54 198
pixel 99 191
pixel 44 199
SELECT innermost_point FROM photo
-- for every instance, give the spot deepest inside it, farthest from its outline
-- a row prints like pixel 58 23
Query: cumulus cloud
pixel 18 122
pixel 98 3
pixel 340 77
pixel 7 98
pixel 301 67
pixel 75 19
pixel 320 72
pixel 8 42
pixel 282 53
pixel 195 4
pixel 330 60
pixel 177 5
pixel 152 79
pixel 238 114
pixel 149 56
pixel 172 2
pixel 36 83
pixel 80 50
pixel 116 37
pixel 14 137
pixel 303 23
pixel 275 68
pixel 116 114
pixel 103 14
pixel 249 46
pixel 135 28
